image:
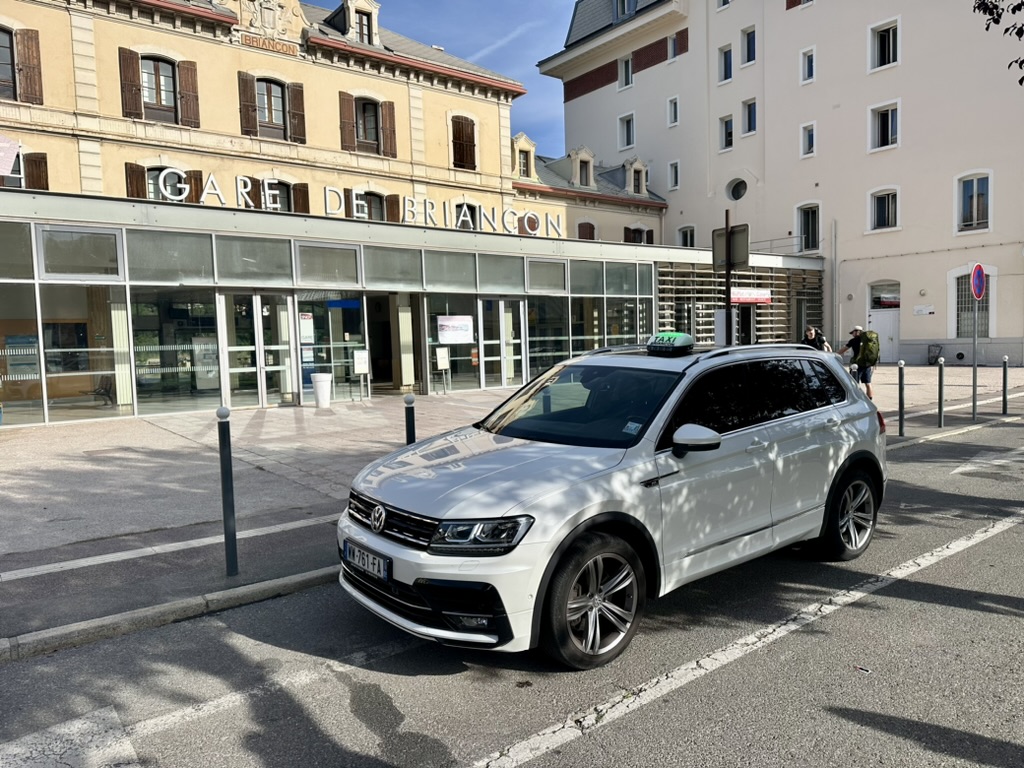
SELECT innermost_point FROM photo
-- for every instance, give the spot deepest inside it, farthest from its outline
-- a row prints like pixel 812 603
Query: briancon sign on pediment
pixel 271 25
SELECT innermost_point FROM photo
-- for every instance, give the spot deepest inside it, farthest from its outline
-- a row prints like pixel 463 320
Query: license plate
pixel 365 560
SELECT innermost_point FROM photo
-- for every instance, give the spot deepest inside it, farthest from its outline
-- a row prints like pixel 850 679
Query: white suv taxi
pixel 611 479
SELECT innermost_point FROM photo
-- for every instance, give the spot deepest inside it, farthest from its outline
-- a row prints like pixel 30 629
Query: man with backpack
pixel 865 348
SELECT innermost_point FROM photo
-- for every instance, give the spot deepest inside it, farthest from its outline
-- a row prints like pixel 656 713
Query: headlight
pixel 481 538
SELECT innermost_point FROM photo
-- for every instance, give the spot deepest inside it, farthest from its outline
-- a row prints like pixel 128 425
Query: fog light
pixel 471 622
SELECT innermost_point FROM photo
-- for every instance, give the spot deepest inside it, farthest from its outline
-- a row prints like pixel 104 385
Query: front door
pixel 259 349
pixel 887 324
pixel 502 333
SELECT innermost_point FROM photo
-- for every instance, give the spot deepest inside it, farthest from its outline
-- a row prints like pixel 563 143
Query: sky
pixel 507 38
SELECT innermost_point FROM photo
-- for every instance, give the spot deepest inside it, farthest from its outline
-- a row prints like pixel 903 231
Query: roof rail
pixel 620 348
pixel 791 345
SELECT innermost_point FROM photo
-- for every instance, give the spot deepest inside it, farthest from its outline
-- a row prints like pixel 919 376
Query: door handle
pixel 756 446
pixel 832 423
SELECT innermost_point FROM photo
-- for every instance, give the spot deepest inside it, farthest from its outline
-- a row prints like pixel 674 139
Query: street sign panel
pixel 740 236
pixel 978 282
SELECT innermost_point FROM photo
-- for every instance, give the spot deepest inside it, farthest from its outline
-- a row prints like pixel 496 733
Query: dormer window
pixel 638 181
pixel 524 164
pixel 584 173
pixel 524 157
pixel 636 177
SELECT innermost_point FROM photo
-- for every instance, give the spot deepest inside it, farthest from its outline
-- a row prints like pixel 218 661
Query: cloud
pixel 499 44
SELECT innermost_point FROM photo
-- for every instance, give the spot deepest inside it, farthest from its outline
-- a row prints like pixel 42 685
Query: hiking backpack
pixel 869 350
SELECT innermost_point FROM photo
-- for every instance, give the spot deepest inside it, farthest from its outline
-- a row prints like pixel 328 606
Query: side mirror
pixel 693 437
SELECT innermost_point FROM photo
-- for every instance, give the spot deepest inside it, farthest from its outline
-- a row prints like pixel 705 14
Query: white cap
pixel 857 328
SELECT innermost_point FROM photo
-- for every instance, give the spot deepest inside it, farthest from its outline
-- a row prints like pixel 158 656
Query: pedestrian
pixel 863 371
pixel 815 338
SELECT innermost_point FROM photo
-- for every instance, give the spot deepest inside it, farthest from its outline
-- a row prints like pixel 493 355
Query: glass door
pixel 502 332
pixel 259 349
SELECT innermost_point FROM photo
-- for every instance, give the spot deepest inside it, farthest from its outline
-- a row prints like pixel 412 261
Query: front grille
pixel 409 529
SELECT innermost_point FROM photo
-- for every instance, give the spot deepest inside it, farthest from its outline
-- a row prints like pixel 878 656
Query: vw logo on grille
pixel 377 519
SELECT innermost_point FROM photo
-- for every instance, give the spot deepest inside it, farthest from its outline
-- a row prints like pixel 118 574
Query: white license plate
pixel 365 560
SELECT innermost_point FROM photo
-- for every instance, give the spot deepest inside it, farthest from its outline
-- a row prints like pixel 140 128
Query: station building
pixel 208 203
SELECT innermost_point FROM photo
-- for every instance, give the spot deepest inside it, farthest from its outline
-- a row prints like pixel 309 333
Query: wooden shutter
pixel 188 93
pixel 37 175
pixel 627 235
pixel 463 143
pixel 683 41
pixel 792 4
pixel 296 114
pixel 131 84
pixel 587 231
pixel 194 179
pixel 135 180
pixel 649 238
pixel 393 208
pixel 247 104
pixel 30 68
pixel 350 204
pixel 300 198
pixel 348 121
pixel 256 192
pixel 389 139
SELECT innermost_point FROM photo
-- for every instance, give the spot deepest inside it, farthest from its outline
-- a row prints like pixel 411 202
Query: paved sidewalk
pixel 116 525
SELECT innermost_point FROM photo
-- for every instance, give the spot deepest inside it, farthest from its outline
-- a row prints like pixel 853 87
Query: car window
pixel 585 405
pixel 741 395
pixel 823 388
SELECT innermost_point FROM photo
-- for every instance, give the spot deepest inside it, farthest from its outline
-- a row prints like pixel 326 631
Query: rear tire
pixel 851 514
pixel 596 600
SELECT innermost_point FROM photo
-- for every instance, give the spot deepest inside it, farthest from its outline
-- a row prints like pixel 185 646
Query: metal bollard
pixel 853 373
pixel 410 419
pixel 942 371
pixel 902 382
pixel 1006 384
pixel 227 490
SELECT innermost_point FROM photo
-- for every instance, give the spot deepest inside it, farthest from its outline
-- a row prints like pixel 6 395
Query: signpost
pixel 729 252
pixel 978 291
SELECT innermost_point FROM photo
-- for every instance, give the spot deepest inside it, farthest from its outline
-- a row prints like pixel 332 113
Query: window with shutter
pixel 7 89
pixel 255 192
pixel 188 93
pixel 247 104
pixel 159 90
pixel 300 198
pixel 131 83
pixel 29 66
pixel 347 105
pixel 135 180
pixel 587 231
pixel 37 175
pixel 463 143
pixel 350 203
pixel 270 109
pixel 393 208
pixel 296 114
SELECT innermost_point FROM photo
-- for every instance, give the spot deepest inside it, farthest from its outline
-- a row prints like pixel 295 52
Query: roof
pixel 608 182
pixel 393 43
pixel 592 16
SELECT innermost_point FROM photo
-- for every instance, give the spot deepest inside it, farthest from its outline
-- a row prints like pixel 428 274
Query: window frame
pixel 959 226
pixel 627 130
pixel 808 56
pixel 586 175
pixel 524 164
pixel 884 41
pixel 672 111
pixel 889 220
pixel 364 27
pixel 19 166
pixel 726 133
pixel 748 47
pixel 958 281
pixel 157 111
pixel 153 191
pixel 749 117
pixel 626 72
pixel 808 130
pixel 368 137
pixel 875 114
pixel 684 233
pixel 725 71
pixel 9 88
pixel 803 210
pixel 266 89
pixel 673 174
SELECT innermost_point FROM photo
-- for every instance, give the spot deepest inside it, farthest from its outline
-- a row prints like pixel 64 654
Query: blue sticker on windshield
pixel 632 427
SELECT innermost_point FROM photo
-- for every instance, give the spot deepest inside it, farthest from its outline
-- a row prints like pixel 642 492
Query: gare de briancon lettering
pixel 423 211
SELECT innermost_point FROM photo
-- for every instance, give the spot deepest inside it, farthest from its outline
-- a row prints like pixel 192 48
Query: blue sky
pixel 508 38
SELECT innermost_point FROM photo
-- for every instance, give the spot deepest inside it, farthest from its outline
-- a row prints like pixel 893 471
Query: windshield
pixel 586 405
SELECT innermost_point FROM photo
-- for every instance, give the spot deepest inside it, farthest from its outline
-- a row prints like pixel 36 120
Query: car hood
pixel 469 473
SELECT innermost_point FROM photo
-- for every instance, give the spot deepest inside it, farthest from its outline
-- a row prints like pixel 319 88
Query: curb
pixel 84 632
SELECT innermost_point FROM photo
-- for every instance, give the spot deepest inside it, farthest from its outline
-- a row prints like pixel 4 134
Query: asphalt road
pixel 912 655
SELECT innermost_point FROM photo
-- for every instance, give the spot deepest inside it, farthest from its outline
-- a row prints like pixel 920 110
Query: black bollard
pixel 410 419
pixel 902 382
pixel 1006 384
pixel 227 489
pixel 942 369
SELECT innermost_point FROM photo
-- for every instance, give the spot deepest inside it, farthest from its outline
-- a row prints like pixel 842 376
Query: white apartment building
pixel 880 137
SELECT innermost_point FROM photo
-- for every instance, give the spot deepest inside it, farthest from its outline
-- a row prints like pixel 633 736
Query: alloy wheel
pixel 857 515
pixel 602 604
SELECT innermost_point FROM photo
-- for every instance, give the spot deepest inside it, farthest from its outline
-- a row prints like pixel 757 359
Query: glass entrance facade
pixel 105 318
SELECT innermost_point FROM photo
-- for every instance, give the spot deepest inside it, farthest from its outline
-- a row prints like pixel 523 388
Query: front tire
pixel 851 515
pixel 595 603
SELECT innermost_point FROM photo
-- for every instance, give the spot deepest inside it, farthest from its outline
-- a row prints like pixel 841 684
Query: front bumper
pixel 468 602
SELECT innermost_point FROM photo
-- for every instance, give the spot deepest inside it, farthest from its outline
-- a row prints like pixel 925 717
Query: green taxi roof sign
pixel 670 344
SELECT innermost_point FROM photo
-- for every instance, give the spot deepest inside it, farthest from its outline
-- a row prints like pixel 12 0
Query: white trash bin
pixel 322 389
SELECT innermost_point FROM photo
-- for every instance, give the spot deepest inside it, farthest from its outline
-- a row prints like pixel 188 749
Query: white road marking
pixel 100 739
pixel 96 740
pixel 991 460
pixel 159 549
pixel 581 723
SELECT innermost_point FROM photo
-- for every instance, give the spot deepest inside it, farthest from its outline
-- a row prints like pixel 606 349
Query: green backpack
pixel 869 349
